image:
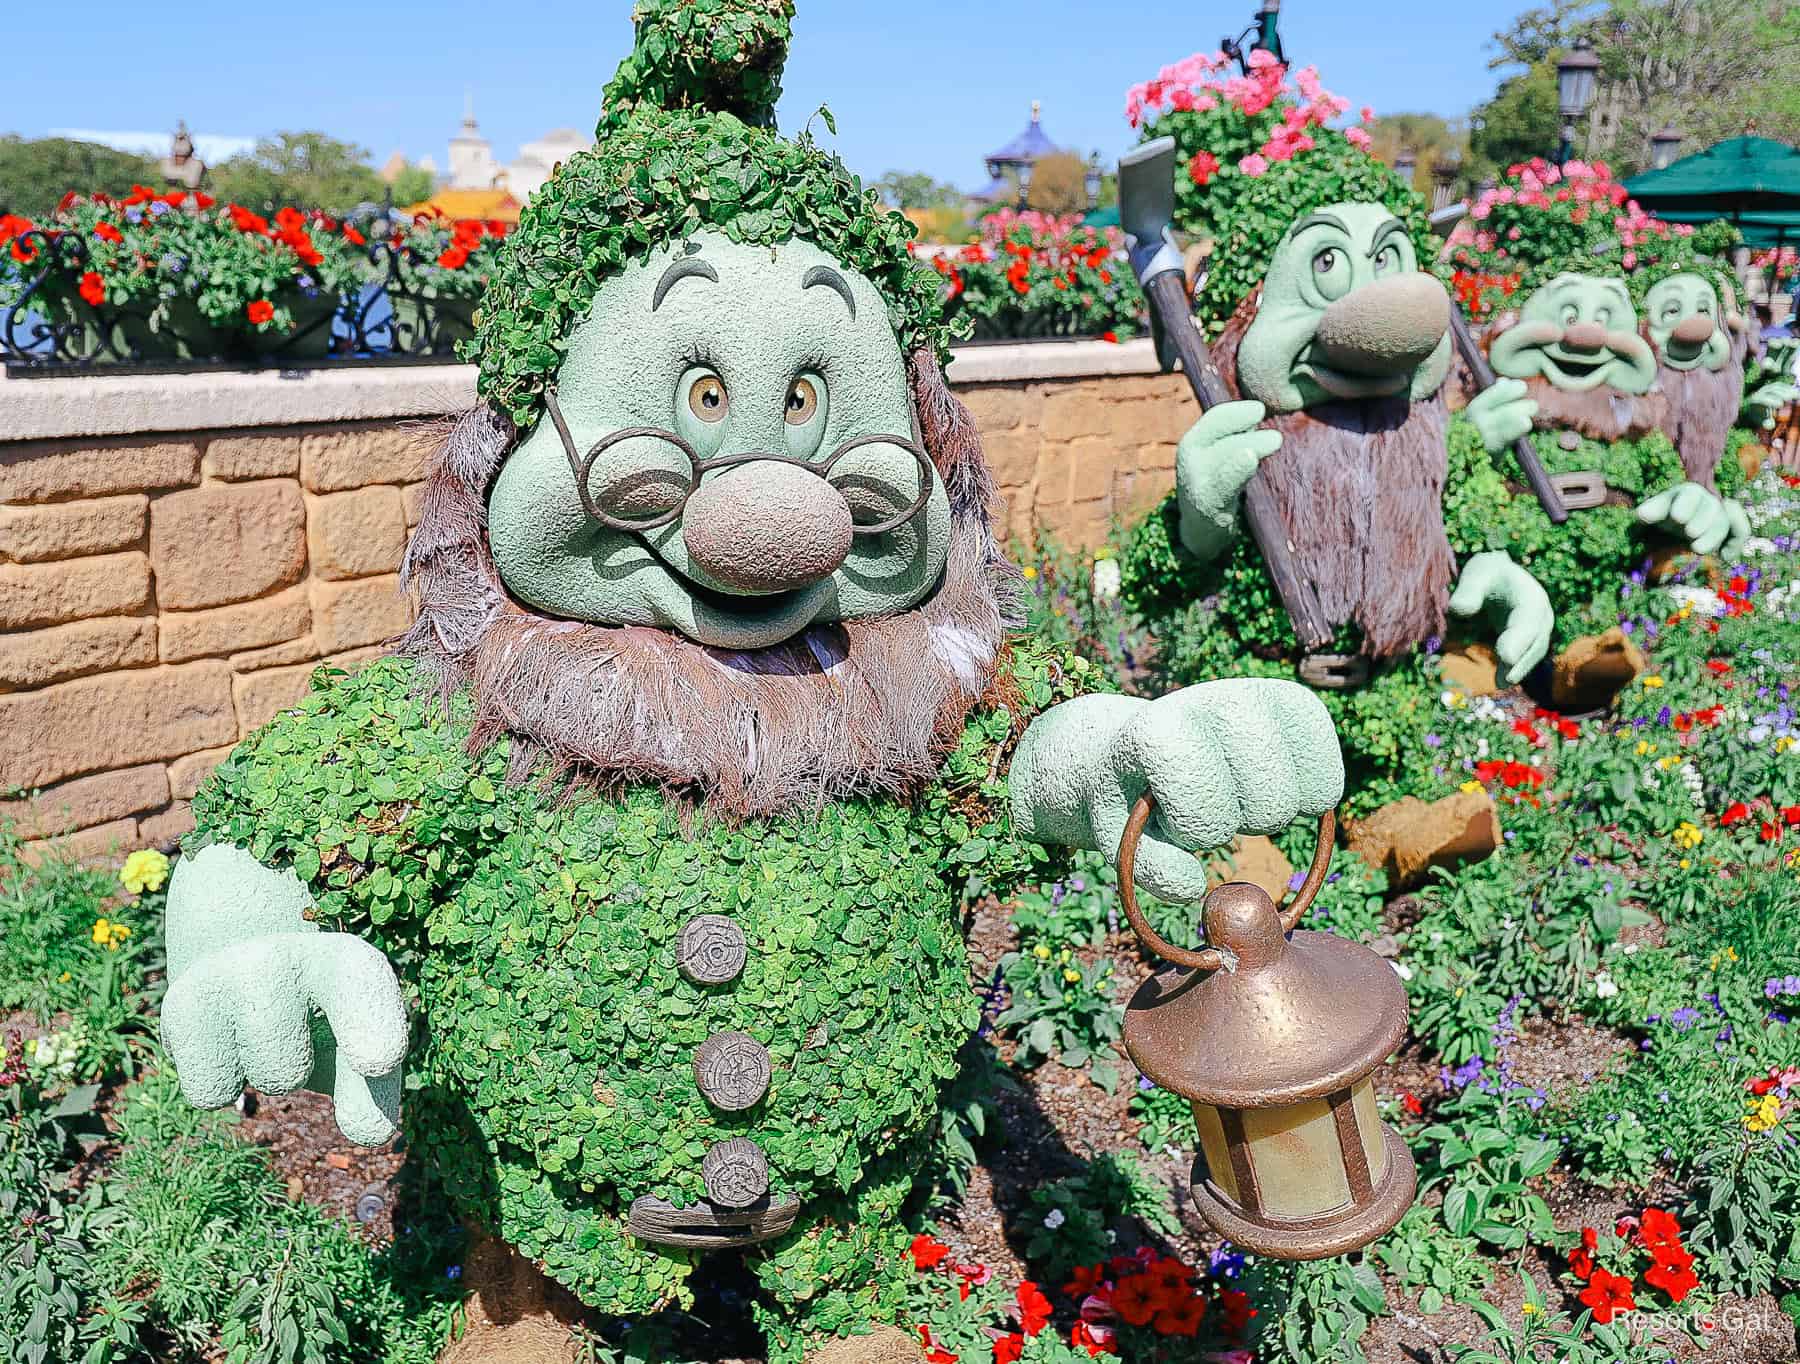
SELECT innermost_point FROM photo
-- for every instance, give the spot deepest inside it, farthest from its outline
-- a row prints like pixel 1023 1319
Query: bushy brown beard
pixel 1702 406
pixel 1359 486
pixel 859 708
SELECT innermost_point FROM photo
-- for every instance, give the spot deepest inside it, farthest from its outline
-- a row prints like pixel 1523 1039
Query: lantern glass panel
pixel 1299 1164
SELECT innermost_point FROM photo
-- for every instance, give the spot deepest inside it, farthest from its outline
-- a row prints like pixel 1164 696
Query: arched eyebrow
pixel 678 271
pixel 831 279
pixel 1382 233
pixel 1318 220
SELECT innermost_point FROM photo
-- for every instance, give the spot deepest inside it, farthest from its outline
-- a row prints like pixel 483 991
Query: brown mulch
pixel 321 1164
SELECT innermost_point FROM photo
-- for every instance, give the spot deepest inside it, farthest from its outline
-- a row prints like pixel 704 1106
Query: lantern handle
pixel 1209 958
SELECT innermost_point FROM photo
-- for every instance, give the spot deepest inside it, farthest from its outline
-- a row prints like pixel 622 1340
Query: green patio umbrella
pixel 1751 182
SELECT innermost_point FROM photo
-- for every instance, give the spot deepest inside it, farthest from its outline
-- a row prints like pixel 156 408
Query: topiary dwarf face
pixel 1686 322
pixel 1345 313
pixel 1579 333
pixel 729 451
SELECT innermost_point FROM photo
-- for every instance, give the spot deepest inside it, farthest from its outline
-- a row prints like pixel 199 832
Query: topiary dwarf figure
pixel 1556 263
pixel 635 874
pixel 1335 338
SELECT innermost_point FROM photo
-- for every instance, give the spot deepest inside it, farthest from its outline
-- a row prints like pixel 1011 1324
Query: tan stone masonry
pixel 163 594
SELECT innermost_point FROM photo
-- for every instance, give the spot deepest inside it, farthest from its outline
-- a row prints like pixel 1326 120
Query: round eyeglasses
pixel 583 469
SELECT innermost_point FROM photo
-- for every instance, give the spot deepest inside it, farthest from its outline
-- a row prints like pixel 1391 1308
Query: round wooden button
pixel 712 950
pixel 732 1070
pixel 736 1173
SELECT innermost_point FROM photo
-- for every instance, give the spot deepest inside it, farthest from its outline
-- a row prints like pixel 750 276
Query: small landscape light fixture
pixel 1272 1036
pixel 1025 169
pixel 1405 163
pixel 1443 178
pixel 1090 181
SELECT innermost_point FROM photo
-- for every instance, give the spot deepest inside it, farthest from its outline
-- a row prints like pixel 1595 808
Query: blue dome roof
pixel 1029 145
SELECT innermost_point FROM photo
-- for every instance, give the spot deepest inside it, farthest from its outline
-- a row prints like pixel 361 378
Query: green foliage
pixel 1062 1010
pixel 683 149
pixel 310 170
pixel 55 968
pixel 1317 1311
pixel 1426 1258
pixel 36 172
pixel 1544 1327
pixel 554 1083
pixel 968 1121
pixel 1519 122
pixel 1485 1174
pixel 1165 1118
pixel 1580 564
pixel 1072 1218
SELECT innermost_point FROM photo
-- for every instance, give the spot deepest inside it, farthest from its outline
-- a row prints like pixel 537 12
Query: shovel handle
pixel 1523 450
pixel 1208 958
pixel 1168 295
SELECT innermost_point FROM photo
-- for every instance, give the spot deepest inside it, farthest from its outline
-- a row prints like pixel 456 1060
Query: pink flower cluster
pixel 1581 190
pixel 1203 82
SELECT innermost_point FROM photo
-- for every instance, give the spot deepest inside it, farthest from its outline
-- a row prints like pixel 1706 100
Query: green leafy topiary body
pixel 553 1079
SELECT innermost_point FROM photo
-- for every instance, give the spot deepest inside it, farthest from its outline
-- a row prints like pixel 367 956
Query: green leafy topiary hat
pixel 1283 195
pixel 687 143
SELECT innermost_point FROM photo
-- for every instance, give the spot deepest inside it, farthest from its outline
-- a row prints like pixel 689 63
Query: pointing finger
pixel 354 985
pixel 1656 510
pixel 201 1044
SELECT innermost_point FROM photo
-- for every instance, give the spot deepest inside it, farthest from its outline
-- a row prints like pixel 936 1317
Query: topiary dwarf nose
pixel 766 526
pixel 1389 327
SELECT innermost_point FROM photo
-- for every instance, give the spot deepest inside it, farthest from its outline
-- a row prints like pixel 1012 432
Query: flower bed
pixel 1034 275
pixel 178 276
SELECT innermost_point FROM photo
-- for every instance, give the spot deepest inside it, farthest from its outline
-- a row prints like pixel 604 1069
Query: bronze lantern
pixel 1273 1036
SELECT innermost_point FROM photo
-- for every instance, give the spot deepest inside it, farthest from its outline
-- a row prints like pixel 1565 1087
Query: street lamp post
pixel 1576 75
pixel 1025 169
pixel 1405 163
pixel 1090 181
pixel 1663 147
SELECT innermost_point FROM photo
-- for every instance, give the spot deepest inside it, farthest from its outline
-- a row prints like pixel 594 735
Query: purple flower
pixel 1433 741
pixel 1224 1262
pixel 158 208
pixel 1684 1018
pixel 1145 1084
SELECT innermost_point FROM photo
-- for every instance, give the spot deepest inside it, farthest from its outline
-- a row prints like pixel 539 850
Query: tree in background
pixel 1707 66
pixel 36 172
pixel 916 190
pixel 1427 136
pixel 1058 184
pixel 413 185
pixel 307 169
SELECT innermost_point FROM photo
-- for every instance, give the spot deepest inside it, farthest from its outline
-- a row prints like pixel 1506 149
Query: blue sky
pixel 922 85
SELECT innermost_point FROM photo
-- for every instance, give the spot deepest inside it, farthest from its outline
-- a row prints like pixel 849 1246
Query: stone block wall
pixel 161 597
pixel 179 553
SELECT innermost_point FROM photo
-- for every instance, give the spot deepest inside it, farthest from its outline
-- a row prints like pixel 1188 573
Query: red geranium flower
pixel 1790 815
pixel 1034 1308
pixel 1202 168
pixel 1138 1298
pixel 260 311
pixel 1181 1318
pixel 353 236
pixel 455 257
pixel 1677 1280
pixel 1581 1263
pixel 1007 1349
pixel 1607 1294
pixel 203 200
pixel 1096 1340
pixel 1084 1280
pixel 1735 813
pixel 1410 1102
pixel 246 221
pixel 93 289
pixel 927 1252
pixel 106 232
pixel 1235 1304
pixel 1659 1229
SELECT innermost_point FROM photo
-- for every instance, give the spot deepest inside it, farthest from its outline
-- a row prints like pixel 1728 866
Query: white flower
pixel 1702 599
pixel 1756 545
pixel 1604 985
pixel 1401 969
pixel 1106 579
pixel 1054 1218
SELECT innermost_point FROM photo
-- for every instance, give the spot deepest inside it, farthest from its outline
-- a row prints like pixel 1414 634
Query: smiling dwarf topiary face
pixel 781 361
pixel 1686 322
pixel 1579 332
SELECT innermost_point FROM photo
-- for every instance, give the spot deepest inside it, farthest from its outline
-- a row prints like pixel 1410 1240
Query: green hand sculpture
pixel 1513 600
pixel 1246 755
pixel 259 996
pixel 1709 523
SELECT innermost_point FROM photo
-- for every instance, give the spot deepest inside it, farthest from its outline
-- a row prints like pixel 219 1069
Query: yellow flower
pixel 109 934
pixel 1470 787
pixel 146 869
pixel 1783 744
pixel 1666 763
pixel 1728 955
pixel 1653 681
pixel 1530 1309
pixel 1645 748
pixel 1041 952
pixel 1066 954
pixel 1685 864
pixel 1030 571
pixel 1764 1113
pixel 1688 835
pixel 1071 975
